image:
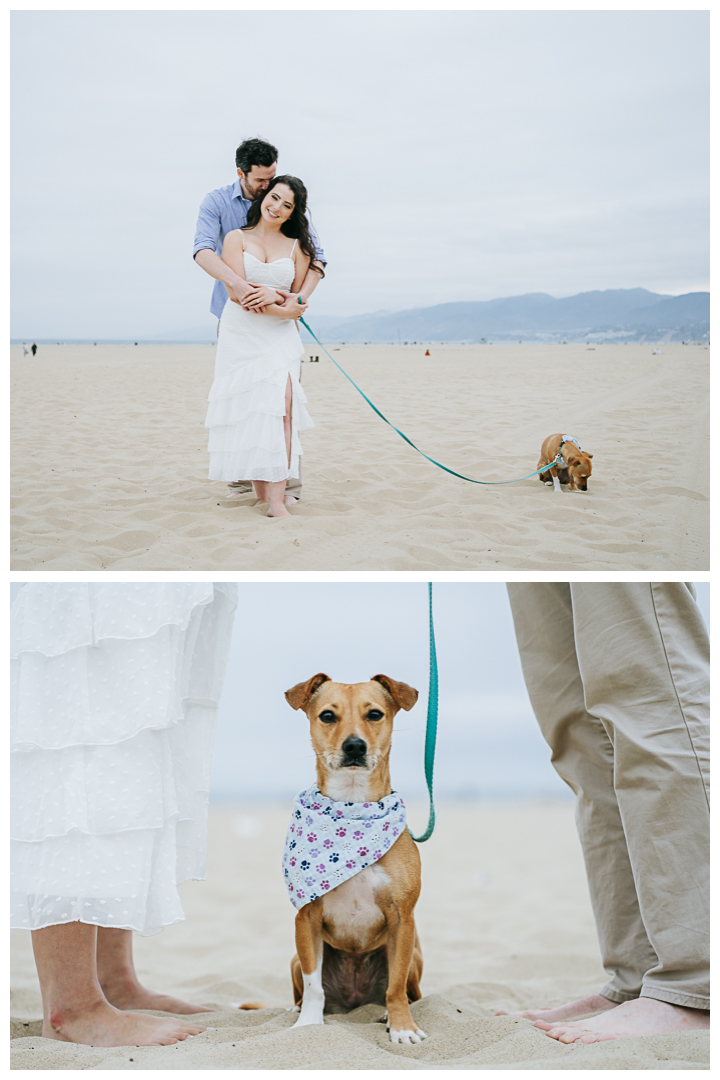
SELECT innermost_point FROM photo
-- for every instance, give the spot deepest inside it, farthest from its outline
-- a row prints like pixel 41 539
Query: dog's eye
pixel 374 714
pixel 327 717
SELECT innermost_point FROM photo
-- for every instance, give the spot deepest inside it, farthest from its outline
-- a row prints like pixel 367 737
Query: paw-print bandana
pixel 328 842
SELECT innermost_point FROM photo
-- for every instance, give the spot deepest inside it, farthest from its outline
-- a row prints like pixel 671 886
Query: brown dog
pixel 356 944
pixel 573 465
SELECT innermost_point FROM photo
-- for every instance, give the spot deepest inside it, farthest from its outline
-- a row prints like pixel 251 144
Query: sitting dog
pixel 351 867
pixel 571 464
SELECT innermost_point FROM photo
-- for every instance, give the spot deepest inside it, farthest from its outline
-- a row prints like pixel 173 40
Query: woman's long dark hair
pixel 297 226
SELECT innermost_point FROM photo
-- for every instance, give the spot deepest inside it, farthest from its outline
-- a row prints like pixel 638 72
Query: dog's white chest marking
pixel 346 786
pixel 352 908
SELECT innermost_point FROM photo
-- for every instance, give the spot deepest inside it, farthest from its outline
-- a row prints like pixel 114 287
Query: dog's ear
pixel 298 696
pixel 573 460
pixel 403 695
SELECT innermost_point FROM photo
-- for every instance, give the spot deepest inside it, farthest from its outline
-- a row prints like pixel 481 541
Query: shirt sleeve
pixel 207 231
pixel 320 253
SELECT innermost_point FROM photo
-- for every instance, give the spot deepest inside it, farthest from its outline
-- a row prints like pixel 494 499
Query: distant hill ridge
pixel 612 314
pixel 609 315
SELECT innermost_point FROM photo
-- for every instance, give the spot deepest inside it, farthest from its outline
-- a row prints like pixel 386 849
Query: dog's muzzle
pixel 354 751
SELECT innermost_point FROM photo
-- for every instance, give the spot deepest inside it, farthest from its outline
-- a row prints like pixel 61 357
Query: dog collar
pixel 329 842
pixel 560 460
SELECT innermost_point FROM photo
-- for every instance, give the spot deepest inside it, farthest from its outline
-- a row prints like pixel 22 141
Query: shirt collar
pixel 238 192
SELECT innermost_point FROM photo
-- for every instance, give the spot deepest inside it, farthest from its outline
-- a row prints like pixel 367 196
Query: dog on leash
pixel 570 464
pixel 351 867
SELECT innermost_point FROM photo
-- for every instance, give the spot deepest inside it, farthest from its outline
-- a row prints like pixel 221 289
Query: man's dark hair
pixel 254 152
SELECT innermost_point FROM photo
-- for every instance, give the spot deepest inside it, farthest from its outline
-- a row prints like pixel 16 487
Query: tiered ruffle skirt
pixel 246 405
pixel 115 689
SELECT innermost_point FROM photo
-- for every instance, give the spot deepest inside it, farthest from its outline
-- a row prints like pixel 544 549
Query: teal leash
pixel 431 727
pixel 488 483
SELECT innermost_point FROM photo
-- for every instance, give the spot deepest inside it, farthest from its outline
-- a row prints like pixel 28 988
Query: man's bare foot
pixel 100 1024
pixel 290 500
pixel 643 1016
pixel 131 995
pixel 594 1003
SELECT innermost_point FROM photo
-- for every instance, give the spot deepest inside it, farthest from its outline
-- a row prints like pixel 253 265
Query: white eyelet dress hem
pixel 246 405
pixel 115 689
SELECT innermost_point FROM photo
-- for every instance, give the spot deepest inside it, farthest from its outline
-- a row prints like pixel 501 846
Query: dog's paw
pixel 308 1016
pixel 407 1037
pixel 548 483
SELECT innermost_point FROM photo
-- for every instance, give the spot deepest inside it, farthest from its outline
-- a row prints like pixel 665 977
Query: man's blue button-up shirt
pixel 221 211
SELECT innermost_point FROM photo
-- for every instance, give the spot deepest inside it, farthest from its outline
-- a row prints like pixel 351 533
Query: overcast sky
pixel 448 155
pixel 489 745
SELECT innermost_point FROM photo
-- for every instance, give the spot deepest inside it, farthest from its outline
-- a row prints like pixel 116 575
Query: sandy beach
pixel 110 462
pixel 504 924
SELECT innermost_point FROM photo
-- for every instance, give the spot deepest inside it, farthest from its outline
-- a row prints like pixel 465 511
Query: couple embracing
pixel 254 237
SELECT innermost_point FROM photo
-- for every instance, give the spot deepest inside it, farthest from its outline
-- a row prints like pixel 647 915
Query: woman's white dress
pixel 115 689
pixel 246 405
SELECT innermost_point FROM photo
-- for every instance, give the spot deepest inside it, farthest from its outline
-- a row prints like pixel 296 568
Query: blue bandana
pixel 329 842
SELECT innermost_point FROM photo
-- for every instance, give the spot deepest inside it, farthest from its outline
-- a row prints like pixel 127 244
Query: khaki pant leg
pixel 582 754
pixel 643 654
pixel 295 484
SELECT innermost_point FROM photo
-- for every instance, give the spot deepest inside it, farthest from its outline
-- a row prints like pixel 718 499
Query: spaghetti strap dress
pixel 255 356
pixel 115 689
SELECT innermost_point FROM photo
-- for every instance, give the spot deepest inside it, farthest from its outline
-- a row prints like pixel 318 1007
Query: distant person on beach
pixel 25 348
pixel 617 674
pixel 33 348
pixel 113 710
pixel 225 210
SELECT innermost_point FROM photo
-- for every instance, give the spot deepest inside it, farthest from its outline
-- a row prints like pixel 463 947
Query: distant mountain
pixel 690 309
pixel 610 315
pixel 630 314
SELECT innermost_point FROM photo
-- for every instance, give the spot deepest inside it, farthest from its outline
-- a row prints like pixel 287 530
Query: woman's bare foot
pixel 594 1003
pixel 99 1024
pixel 130 994
pixel 119 982
pixel 643 1016
pixel 273 493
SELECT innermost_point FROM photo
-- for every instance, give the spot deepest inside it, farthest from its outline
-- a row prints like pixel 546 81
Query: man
pixel 225 209
pixel 617 673
pixel 33 348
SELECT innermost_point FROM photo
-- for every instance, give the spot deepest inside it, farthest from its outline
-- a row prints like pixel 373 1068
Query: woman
pixel 114 699
pixel 256 405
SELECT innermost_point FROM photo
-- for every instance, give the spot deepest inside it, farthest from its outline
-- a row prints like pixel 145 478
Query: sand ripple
pixel 461 1034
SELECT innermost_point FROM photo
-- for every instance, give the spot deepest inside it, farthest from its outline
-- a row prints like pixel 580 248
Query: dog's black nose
pixel 354 749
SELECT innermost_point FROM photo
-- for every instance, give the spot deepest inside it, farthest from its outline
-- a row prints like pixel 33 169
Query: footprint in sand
pixel 684 492
pixel 131 541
